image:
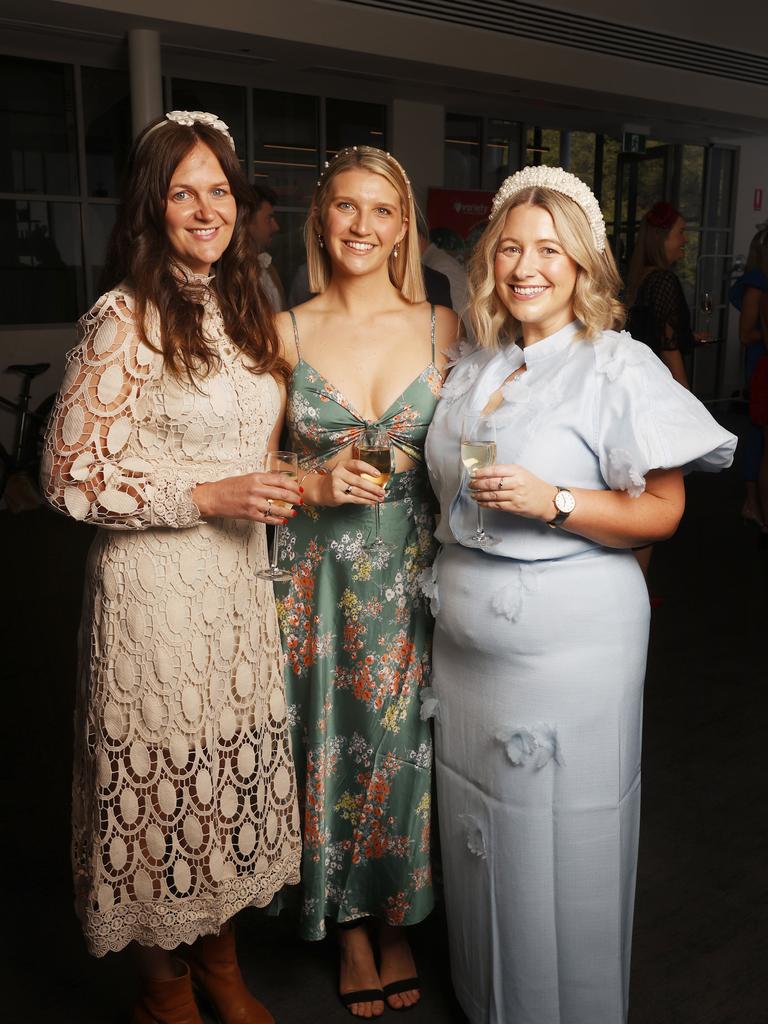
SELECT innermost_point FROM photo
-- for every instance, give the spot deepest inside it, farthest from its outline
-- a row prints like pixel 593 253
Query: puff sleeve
pixel 92 468
pixel 645 420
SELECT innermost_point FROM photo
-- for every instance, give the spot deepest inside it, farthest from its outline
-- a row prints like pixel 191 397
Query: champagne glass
pixel 706 309
pixel 376 449
pixel 478 451
pixel 286 464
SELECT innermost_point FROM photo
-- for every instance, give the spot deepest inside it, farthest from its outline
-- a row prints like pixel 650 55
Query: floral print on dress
pixel 357 635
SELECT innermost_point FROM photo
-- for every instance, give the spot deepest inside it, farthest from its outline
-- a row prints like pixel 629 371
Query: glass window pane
pixel 502 152
pixel 611 150
pixel 543 146
pixel 583 156
pixel 107 115
pixel 692 183
pixel 348 123
pixel 101 219
pixel 463 137
pixel 227 101
pixel 286 154
pixel 40 262
pixel 37 125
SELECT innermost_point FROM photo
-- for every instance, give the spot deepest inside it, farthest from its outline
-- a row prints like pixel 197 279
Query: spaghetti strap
pixel 433 325
pixel 296 332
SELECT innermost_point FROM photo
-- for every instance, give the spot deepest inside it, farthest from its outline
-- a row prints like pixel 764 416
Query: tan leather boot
pixel 168 1001
pixel 215 970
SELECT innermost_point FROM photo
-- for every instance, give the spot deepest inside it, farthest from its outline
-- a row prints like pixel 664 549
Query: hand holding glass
pixel 478 451
pixel 287 464
pixel 375 448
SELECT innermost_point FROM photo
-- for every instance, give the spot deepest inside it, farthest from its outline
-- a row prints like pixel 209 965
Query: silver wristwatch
pixel 564 503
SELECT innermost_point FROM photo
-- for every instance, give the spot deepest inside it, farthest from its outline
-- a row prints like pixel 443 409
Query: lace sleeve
pixel 89 469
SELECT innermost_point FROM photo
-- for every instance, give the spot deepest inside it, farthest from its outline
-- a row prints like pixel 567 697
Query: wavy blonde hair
pixel 595 301
pixel 404 270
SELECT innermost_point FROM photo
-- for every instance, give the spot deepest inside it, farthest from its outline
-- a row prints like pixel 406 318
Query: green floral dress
pixel 357 636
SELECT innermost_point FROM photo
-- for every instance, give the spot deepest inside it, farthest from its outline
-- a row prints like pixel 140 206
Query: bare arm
pixel 673 360
pixel 611 518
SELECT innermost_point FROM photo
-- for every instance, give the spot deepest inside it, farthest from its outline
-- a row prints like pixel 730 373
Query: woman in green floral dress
pixel 356 628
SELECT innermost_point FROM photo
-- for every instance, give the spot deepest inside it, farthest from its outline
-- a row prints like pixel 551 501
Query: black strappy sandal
pixel 363 995
pixel 394 988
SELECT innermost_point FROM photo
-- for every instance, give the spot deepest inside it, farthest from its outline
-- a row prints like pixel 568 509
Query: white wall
pixel 753 173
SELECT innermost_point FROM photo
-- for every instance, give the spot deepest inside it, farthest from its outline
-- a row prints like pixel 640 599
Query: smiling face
pixel 362 222
pixel 675 242
pixel 200 210
pixel 535 277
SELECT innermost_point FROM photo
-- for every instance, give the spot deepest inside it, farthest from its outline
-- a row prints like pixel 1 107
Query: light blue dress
pixel 539 662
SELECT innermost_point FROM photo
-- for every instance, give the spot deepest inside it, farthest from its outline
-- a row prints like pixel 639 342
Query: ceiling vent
pixel 547 25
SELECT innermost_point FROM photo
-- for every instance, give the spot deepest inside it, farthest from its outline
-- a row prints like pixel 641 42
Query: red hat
pixel 662 215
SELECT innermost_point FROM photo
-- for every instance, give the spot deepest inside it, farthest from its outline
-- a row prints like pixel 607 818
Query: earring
pixel 396 250
pixel 320 240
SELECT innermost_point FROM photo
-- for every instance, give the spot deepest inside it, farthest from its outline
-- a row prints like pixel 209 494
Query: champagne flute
pixel 376 449
pixel 286 464
pixel 706 309
pixel 478 451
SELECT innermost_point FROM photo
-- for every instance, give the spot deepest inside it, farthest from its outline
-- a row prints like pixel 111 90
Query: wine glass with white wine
pixel 286 464
pixel 478 451
pixel 376 449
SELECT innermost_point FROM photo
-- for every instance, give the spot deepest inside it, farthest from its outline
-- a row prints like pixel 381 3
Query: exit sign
pixel 633 142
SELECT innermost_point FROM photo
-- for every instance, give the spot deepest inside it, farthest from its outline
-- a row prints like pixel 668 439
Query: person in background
pixel 746 295
pixel 184 796
pixel 658 311
pixel 263 227
pixel 367 353
pixel 437 259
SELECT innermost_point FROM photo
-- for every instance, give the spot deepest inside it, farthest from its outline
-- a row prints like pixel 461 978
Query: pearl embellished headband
pixel 367 149
pixel 558 180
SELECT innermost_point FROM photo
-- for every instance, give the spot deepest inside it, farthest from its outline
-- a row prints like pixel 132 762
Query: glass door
pixel 641 180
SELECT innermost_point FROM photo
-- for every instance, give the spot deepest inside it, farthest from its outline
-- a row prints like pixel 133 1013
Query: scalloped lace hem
pixel 171 925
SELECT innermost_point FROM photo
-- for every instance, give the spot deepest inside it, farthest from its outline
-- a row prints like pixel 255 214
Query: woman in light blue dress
pixel 541 634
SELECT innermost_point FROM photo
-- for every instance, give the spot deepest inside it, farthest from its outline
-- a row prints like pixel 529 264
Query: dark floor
pixel 701 947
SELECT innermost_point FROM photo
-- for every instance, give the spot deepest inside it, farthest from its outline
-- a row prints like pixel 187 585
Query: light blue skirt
pixel 538 680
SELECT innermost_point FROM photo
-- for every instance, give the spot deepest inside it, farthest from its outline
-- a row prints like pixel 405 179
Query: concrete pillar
pixel 418 142
pixel 146 77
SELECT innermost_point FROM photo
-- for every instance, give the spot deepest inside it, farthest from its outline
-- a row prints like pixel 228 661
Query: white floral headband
pixel 558 180
pixel 189 117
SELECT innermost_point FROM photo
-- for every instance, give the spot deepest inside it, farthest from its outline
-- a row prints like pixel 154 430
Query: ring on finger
pixel 500 483
pixel 269 504
pixel 348 489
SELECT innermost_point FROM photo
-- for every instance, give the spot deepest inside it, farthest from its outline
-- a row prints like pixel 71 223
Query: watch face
pixel 565 502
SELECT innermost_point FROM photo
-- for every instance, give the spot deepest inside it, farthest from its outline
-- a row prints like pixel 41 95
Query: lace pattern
pixel 184 797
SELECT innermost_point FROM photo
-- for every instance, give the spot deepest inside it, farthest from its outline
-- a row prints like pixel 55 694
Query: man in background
pixel 437 259
pixel 264 226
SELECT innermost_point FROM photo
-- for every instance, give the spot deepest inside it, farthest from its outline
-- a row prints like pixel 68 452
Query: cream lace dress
pixel 184 790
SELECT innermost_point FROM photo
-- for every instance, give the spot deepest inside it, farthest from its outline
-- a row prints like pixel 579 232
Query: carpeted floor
pixel 701 947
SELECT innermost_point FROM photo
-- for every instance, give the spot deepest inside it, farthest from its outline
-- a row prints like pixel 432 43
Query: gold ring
pixel 500 484
pixel 269 502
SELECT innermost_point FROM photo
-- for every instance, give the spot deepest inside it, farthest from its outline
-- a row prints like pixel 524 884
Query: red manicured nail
pixel 301 490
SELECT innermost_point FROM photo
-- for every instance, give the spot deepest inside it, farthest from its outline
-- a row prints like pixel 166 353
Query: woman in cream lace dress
pixel 184 792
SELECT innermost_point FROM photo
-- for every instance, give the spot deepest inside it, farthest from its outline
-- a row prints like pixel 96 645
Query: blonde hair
pixel 405 269
pixel 595 301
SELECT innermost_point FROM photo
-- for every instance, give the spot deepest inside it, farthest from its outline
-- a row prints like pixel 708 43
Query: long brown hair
pixel 140 255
